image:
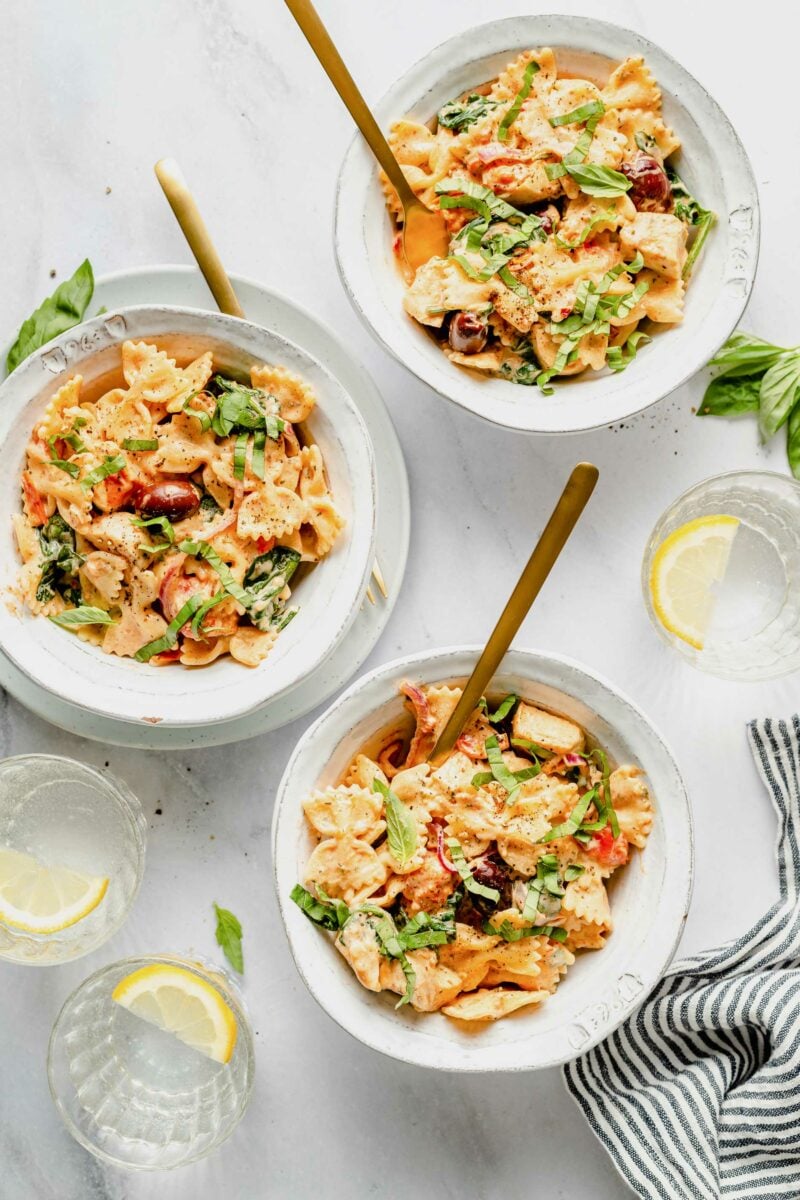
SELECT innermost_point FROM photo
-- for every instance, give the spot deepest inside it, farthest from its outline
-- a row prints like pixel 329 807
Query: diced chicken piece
pixel 358 944
pixel 550 732
pixel 116 533
pixel 440 286
pixel 660 238
pixel 434 984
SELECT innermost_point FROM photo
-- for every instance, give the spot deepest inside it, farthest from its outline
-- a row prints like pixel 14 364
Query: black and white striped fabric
pixel 697 1095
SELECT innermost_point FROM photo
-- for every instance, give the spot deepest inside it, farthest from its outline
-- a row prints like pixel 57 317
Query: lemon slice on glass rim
pixel 183 1004
pixel 36 898
pixel 684 570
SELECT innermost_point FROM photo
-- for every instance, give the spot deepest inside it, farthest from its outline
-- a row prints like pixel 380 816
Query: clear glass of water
pixel 64 814
pixel 134 1094
pixel 754 631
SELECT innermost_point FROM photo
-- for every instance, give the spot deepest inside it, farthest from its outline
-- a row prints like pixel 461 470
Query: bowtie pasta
pixel 469 888
pixel 164 519
pixel 568 229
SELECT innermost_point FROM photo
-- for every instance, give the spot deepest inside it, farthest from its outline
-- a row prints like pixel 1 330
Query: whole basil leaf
pixel 84 615
pixel 793 440
pixel 401 828
pixel 59 312
pixel 730 394
pixel 595 180
pixel 745 354
pixel 229 937
pixel 778 394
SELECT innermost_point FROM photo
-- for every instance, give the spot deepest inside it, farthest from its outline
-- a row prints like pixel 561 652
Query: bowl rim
pixel 387 107
pixel 284 826
pixel 100 333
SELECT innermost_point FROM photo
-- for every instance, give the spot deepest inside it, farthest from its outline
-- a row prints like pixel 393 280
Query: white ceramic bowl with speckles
pixel 328 596
pixel 649 898
pixel 713 163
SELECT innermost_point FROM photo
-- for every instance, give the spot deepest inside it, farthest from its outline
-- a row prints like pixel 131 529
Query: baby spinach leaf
pixel 461 114
pixel 330 914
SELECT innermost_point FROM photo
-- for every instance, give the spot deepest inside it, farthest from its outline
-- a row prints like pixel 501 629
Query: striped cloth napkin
pixel 697 1094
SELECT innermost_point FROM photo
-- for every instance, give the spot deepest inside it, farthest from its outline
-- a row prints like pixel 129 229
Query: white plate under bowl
pixel 712 162
pixel 184 286
pixel 649 899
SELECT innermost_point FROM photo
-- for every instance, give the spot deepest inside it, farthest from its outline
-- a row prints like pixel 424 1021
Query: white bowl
pixel 713 163
pixel 328 596
pixel 649 899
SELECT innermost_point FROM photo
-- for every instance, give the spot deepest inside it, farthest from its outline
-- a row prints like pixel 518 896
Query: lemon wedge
pixel 182 1004
pixel 685 567
pixel 40 899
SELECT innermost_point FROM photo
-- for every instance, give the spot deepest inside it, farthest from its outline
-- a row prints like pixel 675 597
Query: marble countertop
pixel 92 94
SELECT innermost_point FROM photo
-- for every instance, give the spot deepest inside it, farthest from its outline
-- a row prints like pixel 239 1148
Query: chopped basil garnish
pixel 511 933
pixel 504 708
pixel 462 866
pixel 60 311
pixel 243 409
pixel 620 357
pixel 574 820
pixel 84 615
pixel 170 636
pixel 137 444
pixel 109 466
pixel 591 109
pixel 199 413
pixel 240 455
pixel 520 98
pixel 330 914
pixel 401 828
pixel 461 114
pixel 205 607
pixel 204 550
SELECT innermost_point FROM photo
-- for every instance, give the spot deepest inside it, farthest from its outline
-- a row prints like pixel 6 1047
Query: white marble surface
pixel 92 94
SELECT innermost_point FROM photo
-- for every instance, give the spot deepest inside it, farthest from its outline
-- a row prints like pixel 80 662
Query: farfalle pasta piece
pixel 358 945
pixel 64 398
pixel 346 811
pixel 434 984
pixel 634 808
pixel 362 772
pixel 251 646
pixel 586 911
pixel 346 868
pixel 631 85
pixel 320 513
pixel 105 572
pixel 490 1004
pixel 269 512
pixel 296 398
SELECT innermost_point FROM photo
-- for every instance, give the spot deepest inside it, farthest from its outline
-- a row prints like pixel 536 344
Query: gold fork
pixel 193 228
pixel 425 233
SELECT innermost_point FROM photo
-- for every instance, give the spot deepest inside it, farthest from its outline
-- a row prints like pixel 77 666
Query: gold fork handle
pixel 319 39
pixel 571 504
pixel 187 214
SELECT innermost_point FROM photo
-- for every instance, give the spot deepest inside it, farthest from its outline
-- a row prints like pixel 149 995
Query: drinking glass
pixel 754 630
pixel 134 1094
pixel 66 814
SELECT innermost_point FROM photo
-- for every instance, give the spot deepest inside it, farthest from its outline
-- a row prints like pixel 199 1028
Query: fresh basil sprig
pixel 60 311
pixel 401 828
pixel 83 615
pixel 757 376
pixel 229 937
